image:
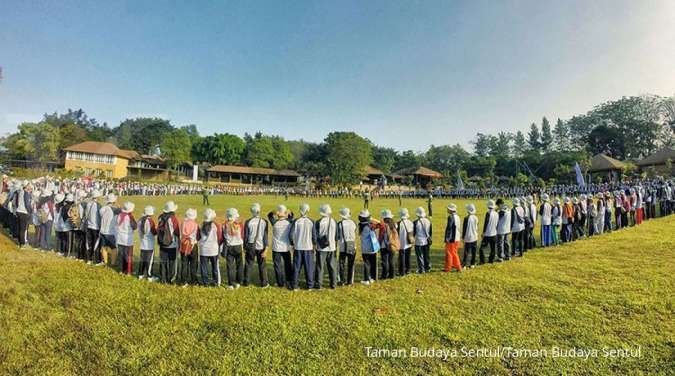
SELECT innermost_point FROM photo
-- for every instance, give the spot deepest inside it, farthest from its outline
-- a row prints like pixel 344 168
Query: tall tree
pixel 143 135
pixel 219 149
pixel 384 158
pixel 534 138
pixel 348 155
pixel 482 144
pixel 447 159
pixel 519 144
pixel 267 151
pixel 561 137
pixel 546 135
pixel 34 141
pixel 176 147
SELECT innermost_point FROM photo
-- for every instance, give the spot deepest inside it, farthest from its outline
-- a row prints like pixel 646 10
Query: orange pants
pixel 639 215
pixel 451 257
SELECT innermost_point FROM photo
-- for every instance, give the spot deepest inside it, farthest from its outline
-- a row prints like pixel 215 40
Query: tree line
pixel 629 128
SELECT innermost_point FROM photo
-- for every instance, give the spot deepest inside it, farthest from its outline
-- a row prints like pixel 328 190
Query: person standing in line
pixel 556 221
pixel 531 223
pixel 503 230
pixel 126 225
pixel 470 236
pixel 517 228
pixel 369 246
pixel 406 234
pixel 188 248
pixel 59 225
pixel 108 225
pixel 489 234
pixel 452 238
pixel 303 235
pixel 233 248
pixel 23 202
pixel 592 213
pixel 346 234
pixel 600 214
pixel 326 236
pixel 68 224
pixel 45 209
pixel 568 221
pixel 147 231
pixel 255 245
pixel 210 238
pixel 430 199
pixel 80 229
pixel 618 208
pixel 423 233
pixel 281 246
pixel 168 237
pixel 93 225
pixel 545 214
pixel 608 212
pixel 390 243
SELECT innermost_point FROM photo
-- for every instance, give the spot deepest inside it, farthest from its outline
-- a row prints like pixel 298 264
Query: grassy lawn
pixel 59 316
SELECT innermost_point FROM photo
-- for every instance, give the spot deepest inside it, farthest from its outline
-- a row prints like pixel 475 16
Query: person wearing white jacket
pixel 210 239
pixel 470 236
pixel 304 238
pixel 346 234
pixel 281 246
pixel 406 235
pixel 108 218
pixel 517 228
pixel 147 231
pixel 326 234
pixel 545 213
pixel 503 231
pixel 489 233
pixel 126 224
pixel 423 232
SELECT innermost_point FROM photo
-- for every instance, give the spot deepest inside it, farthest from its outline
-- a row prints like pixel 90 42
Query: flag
pixel 580 176
pixel 460 183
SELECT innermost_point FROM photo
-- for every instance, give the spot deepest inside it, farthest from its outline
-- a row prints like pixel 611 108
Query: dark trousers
pixel 188 267
pixel 347 268
pixel 369 266
pixel 24 220
pixel 205 200
pixel 303 259
pixel 469 252
pixel 93 245
pixel 503 251
pixel 45 240
pixel 387 261
pixel 145 264
pixel 517 243
pixel 404 261
pixel 125 253
pixel 327 258
pixel 258 256
pixel 235 268
pixel 62 241
pixel 167 265
pixel 492 242
pixel 422 254
pixel 79 245
pixel 283 268
pixel 204 269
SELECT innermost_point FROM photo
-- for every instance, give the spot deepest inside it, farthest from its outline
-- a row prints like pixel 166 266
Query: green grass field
pixel 59 316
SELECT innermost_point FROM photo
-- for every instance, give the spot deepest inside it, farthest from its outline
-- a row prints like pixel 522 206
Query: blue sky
pixel 404 74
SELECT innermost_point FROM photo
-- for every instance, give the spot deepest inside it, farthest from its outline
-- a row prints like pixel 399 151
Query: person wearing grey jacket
pixel 346 235
pixel 255 244
pixel 303 235
pixel 326 235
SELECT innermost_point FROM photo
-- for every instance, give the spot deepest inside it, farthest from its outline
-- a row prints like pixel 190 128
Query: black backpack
pixel 165 233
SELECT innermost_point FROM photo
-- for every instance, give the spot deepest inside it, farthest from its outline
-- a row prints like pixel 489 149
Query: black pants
pixel 423 263
pixel 387 261
pixel 369 266
pixel 404 261
pixel 205 200
pixel 283 268
pixel 188 267
pixel 255 255
pixel 167 265
pixel 469 252
pixel 347 268
pixel 327 258
pixel 93 245
pixel 145 264
pixel 125 253
pixel 492 242
pixel 517 243
pixel 62 241
pixel 79 245
pixel 24 221
pixel 235 269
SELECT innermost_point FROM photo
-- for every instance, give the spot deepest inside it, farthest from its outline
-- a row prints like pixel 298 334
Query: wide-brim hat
pixel 209 215
pixel 471 209
pixel 345 213
pixel 95 193
pixel 255 209
pixel 420 212
pixel 325 210
pixel 169 207
pixel 282 211
pixel 110 198
pixel 149 210
pixel 544 197
pixel 387 214
pixel 516 201
pixel 128 207
pixel 452 207
pixel 70 197
pixel 46 194
pixel 490 204
pixel 304 209
pixel 59 198
pixel 232 213
pixel 191 214
pixel 364 213
pixel 403 213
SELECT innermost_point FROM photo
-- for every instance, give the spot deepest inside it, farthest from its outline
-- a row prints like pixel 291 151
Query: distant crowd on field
pixel 92 227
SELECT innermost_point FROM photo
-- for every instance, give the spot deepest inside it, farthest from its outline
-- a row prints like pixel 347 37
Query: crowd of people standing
pixel 90 226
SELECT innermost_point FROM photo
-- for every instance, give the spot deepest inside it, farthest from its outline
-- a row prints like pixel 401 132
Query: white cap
pixel 128 207
pixel 191 214
pixel 209 215
pixel 325 210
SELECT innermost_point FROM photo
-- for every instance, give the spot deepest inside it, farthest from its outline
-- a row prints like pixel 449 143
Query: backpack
pixel 43 215
pixel 74 216
pixel 165 233
pixel 409 235
pixel 393 239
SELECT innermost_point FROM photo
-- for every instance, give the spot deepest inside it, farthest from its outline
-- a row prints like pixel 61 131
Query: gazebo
pixel 421 176
pixel 604 164
pixel 658 160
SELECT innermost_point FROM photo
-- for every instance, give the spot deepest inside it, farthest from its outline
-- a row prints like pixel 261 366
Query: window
pixel 91 157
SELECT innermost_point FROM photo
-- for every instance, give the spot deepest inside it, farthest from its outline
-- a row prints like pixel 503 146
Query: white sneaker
pixel 88 262
pixel 365 282
pixel 230 287
pixel 61 254
pixel 266 286
pixel 140 277
pixel 100 264
pixel 153 279
pixel 372 281
pixel 236 286
pixel 185 285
